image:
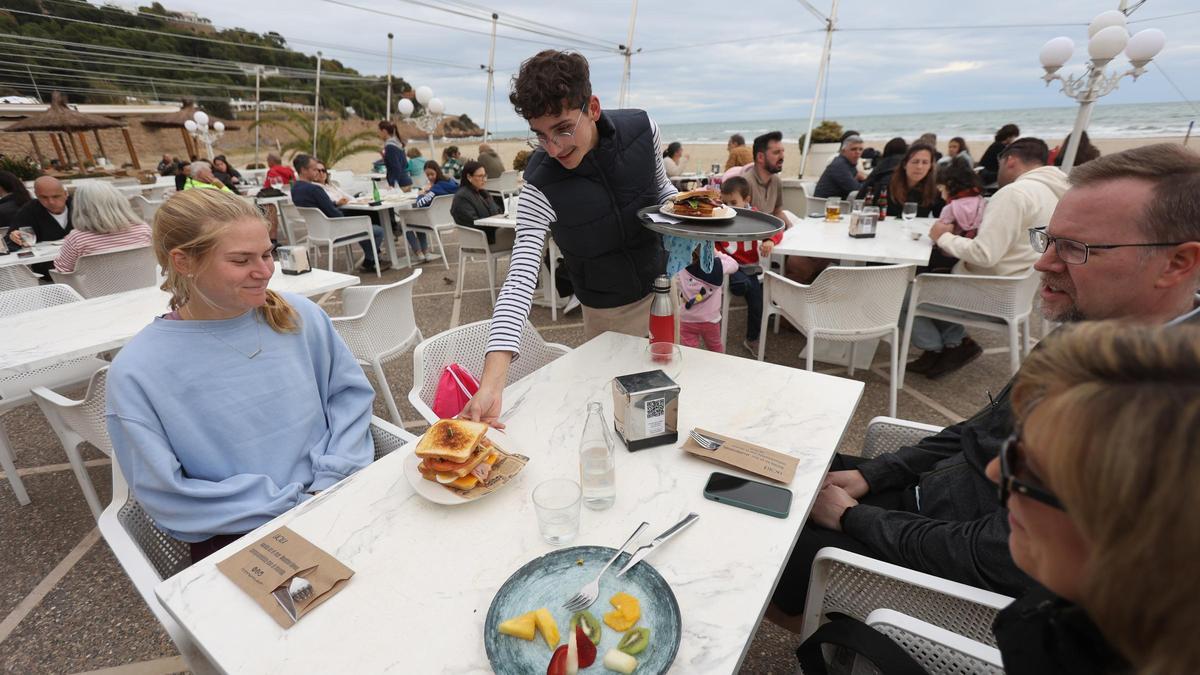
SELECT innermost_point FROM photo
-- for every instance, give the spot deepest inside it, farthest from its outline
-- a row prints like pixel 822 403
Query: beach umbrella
pixel 59 119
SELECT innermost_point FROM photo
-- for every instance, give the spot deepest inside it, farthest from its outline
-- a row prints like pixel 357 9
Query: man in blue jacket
pixel 307 193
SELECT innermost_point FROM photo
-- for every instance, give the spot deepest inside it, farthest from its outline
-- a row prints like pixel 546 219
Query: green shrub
pixel 25 168
pixel 827 131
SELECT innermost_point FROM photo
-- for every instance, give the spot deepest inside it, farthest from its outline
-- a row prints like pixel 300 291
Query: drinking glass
pixel 833 209
pixel 556 502
pixel 665 356
pixel 28 237
pixel 910 211
pixel 858 205
pixel 716 169
pixel 843 209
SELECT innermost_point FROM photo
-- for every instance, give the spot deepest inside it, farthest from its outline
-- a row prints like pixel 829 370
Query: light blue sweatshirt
pixel 214 442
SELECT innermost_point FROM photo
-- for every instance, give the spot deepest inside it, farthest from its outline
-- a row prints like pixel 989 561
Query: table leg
pixel 391 238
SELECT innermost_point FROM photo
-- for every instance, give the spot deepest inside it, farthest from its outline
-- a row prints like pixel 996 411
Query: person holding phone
pixel 591 172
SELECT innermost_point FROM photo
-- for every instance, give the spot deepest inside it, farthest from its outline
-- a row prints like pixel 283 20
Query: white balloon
pixel 190 125
pixel 201 117
pixel 219 126
pixel 424 94
pixel 1056 52
pixel 1145 45
pixel 1107 43
pixel 436 106
pixel 1105 19
pixel 405 107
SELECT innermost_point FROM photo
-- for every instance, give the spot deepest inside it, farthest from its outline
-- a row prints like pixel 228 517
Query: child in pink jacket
pixel 962 191
pixel 700 301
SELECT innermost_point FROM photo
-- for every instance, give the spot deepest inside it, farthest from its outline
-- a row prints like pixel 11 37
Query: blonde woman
pixel 103 220
pixel 241 402
pixel 1100 481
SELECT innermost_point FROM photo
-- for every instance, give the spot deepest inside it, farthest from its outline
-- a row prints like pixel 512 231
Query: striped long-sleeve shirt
pixel 79 243
pixel 534 216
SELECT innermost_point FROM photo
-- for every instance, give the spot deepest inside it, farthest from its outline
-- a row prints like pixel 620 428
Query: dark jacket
pixel 470 205
pixel 896 208
pixel 45 227
pixel 611 257
pixel 227 178
pixel 961 532
pixel 397 164
pixel 311 195
pixel 839 179
pixel 1042 633
pixel 881 175
pixel 8 209
pixel 991 163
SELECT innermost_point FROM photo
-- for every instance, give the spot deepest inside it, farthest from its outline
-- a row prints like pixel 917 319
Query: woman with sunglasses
pixel 1099 479
pixel 591 172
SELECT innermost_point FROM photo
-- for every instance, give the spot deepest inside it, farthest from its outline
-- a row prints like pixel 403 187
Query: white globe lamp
pixel 1056 52
pixel 1106 20
pixel 436 106
pixel 190 125
pixel 201 117
pixel 424 94
pixel 1107 43
pixel 405 107
pixel 219 127
pixel 1145 45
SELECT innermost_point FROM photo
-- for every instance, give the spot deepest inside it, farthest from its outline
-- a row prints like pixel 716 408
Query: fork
pixel 704 441
pixel 588 594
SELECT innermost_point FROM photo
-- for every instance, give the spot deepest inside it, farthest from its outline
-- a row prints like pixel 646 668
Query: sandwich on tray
pixel 696 203
pixel 456 453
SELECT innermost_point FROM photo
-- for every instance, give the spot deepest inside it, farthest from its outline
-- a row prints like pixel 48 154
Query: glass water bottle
pixel 597 463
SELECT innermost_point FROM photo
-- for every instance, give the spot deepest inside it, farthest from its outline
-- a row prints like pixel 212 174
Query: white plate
pixel 436 492
pixel 725 212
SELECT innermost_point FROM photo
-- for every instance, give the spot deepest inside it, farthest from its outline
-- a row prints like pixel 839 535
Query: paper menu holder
pixel 745 456
pixel 269 564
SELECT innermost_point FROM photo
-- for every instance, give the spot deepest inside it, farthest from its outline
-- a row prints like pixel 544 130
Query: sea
pixel 1127 120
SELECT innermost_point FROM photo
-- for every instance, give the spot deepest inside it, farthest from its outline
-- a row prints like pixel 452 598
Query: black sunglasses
pixel 1011 464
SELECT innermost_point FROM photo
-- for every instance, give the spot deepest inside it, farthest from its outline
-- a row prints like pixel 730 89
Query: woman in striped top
pixel 102 220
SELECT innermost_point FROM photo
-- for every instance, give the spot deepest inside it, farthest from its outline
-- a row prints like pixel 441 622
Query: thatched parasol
pixel 177 119
pixel 61 119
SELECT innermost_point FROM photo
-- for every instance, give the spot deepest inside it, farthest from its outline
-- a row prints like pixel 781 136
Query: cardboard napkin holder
pixel 745 456
pixel 270 564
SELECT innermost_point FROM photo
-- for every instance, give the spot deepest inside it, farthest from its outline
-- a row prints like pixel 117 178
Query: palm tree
pixel 331 146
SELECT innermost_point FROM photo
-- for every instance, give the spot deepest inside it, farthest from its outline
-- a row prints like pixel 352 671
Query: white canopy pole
pixel 822 69
pixel 387 111
pixel 317 104
pixel 623 95
pixel 491 71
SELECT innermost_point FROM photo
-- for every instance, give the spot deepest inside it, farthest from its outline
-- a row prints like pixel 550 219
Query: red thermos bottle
pixel 662 314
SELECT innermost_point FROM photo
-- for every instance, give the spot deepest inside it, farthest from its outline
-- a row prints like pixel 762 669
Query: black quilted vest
pixel 611 258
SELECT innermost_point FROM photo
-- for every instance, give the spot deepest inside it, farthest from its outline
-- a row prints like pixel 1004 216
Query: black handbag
pixel 854 639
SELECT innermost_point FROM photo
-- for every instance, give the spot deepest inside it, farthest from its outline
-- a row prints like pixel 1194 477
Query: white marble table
pixel 387 207
pixel 425 574
pixel 819 239
pixel 42 252
pixel 55 334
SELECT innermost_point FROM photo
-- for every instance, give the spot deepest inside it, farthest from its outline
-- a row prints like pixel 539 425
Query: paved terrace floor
pixel 66 605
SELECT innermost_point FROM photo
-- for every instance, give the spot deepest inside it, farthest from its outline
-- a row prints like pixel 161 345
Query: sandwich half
pixel 696 203
pixel 456 453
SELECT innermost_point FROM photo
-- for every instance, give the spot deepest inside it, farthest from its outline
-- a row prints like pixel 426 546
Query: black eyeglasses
pixel 1012 465
pixel 1076 252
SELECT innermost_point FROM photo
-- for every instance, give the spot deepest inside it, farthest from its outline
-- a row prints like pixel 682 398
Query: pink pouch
pixel 455 388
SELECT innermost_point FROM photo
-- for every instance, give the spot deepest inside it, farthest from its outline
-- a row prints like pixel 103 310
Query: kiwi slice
pixel 634 641
pixel 589 623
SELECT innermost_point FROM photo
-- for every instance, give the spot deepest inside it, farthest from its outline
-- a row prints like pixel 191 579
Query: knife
pixel 645 550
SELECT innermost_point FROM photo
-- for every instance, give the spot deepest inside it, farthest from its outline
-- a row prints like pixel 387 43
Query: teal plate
pixel 549 580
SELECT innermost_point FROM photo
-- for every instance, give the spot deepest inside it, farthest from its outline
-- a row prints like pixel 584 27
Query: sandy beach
pixel 704 155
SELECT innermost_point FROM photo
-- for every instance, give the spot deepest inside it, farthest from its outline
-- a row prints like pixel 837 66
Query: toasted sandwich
pixel 456 453
pixel 696 203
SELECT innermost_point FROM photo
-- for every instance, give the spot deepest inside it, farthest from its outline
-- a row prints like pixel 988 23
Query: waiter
pixel 591 172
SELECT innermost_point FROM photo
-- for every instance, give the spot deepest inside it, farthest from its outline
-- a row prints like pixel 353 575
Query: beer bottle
pixel 883 203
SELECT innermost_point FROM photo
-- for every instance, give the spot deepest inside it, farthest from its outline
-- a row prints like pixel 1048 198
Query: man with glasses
pixel 1029 191
pixel 1123 243
pixel 309 192
pixel 591 172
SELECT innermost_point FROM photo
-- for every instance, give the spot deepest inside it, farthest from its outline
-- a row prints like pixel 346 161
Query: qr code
pixel 656 407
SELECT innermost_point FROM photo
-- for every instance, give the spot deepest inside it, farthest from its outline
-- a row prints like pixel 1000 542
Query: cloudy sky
pixel 704 61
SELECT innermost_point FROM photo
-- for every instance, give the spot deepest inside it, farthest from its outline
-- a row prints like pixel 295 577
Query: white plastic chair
pixel 473 243
pixel 293 225
pixel 843 304
pixel 939 651
pixel 111 271
pixel 147 207
pixel 13 277
pixel 149 555
pixel 75 422
pixel 888 434
pixel 506 185
pixel 855 585
pixel 15 386
pixel 995 303
pixel 814 205
pixel 466 345
pixel 332 232
pixel 433 219
pixel 379 324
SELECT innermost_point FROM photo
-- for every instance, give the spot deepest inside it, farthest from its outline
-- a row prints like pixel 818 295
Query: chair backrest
pixel 21 300
pixel 847 299
pixel 17 276
pixel 296 224
pixel 466 345
pixel 84 417
pixel 147 207
pixel 382 322
pixel 324 228
pixel 505 183
pixel 388 437
pixel 112 271
pixel 1005 297
pixel 815 205
pixel 938 650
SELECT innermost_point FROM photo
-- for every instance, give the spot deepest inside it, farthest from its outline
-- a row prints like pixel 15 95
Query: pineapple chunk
pixel 523 626
pixel 547 627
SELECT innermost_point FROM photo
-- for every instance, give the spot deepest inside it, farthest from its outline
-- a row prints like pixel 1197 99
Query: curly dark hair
pixel 550 82
pixel 958 176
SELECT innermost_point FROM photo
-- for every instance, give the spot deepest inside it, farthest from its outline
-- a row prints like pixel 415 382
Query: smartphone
pixel 25 254
pixel 752 495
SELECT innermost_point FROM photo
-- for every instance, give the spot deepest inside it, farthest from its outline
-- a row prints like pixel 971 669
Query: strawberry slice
pixel 587 649
pixel 558 662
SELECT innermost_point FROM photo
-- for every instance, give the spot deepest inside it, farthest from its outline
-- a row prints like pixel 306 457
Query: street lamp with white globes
pixel 431 116
pixel 199 129
pixel 1107 38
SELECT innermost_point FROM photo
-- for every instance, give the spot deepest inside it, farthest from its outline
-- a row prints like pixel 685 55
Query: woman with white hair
pixel 102 220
